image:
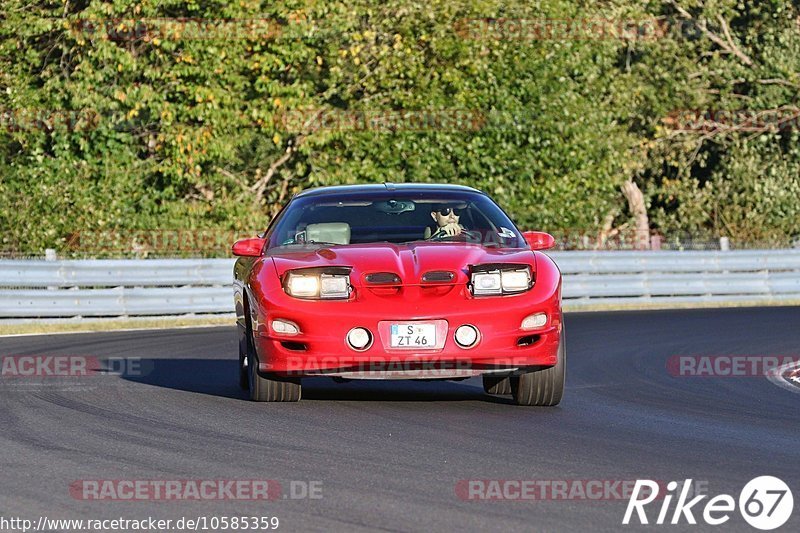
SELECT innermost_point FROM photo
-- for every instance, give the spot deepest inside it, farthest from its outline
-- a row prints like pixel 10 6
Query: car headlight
pixel 484 283
pixel 301 286
pixel 488 280
pixel 318 285
pixel 516 280
pixel 334 286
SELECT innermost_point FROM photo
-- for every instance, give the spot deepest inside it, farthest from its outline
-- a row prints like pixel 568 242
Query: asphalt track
pixel 389 455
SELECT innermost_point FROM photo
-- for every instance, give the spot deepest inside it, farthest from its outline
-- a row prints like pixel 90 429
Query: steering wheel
pixel 464 236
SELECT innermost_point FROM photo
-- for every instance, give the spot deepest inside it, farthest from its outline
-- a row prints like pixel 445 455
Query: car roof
pixel 378 187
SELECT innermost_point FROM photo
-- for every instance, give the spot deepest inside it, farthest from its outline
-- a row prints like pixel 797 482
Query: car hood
pixel 409 261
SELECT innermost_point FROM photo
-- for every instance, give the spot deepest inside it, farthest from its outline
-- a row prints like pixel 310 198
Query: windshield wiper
pixel 324 243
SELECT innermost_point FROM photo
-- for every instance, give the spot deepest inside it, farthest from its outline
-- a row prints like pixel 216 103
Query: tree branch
pixel 732 46
pixel 260 186
pixel 728 45
pixel 777 81
pixel 638 208
pixel 231 175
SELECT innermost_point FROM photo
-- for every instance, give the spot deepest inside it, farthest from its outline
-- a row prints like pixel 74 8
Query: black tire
pixel 244 378
pixel 262 387
pixel 542 387
pixel 496 384
pixel 244 349
pixel 271 388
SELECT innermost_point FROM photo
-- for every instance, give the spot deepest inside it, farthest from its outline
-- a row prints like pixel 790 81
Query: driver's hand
pixel 451 229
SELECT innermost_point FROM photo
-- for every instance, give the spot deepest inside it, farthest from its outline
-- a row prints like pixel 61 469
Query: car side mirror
pixel 248 247
pixel 539 240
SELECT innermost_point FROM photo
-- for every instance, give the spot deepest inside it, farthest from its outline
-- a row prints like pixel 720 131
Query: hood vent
pixel 383 278
pixel 438 276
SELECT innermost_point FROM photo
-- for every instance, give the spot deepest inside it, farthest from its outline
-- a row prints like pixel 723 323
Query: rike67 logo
pixel 765 503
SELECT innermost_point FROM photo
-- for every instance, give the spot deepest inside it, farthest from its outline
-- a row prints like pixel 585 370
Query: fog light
pixel 285 327
pixel 539 320
pixel 359 338
pixel 466 336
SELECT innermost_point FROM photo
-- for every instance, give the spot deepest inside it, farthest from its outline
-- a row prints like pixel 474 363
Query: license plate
pixel 413 336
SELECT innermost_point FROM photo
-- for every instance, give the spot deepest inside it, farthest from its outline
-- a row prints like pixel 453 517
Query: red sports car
pixel 399 281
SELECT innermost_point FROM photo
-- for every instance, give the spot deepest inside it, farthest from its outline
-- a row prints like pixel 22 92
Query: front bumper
pixel 320 348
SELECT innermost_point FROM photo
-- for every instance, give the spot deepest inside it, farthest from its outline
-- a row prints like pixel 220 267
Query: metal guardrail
pixel 713 277
pixel 115 287
pixel 36 288
pixel 116 272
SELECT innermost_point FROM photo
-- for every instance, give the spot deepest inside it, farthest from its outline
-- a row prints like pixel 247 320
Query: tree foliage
pixel 124 115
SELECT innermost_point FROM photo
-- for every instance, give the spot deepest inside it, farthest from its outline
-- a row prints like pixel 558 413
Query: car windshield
pixel 391 216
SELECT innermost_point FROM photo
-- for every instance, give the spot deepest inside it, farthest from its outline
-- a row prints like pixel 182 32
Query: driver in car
pixel 446 218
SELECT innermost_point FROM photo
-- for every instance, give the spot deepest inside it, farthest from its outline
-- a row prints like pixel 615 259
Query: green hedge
pixel 130 115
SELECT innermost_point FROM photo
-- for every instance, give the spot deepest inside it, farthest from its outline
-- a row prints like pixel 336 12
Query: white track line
pixel 83 332
pixel 777 378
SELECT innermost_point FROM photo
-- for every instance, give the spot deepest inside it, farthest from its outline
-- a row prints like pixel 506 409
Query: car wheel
pixel 270 388
pixel 542 387
pixel 496 384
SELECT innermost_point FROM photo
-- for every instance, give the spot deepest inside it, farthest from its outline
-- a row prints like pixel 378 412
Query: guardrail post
pixel 50 255
pixel 724 244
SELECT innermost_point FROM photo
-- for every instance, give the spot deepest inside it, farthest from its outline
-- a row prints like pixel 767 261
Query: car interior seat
pixel 333 232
